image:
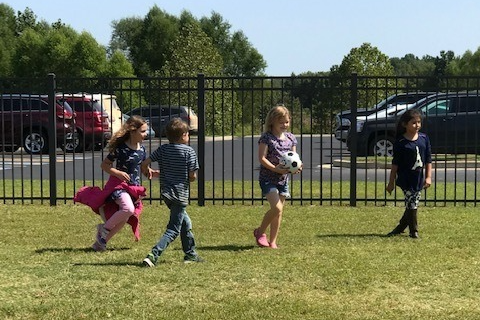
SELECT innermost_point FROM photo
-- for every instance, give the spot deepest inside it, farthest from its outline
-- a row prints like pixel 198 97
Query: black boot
pixel 402 225
pixel 413 225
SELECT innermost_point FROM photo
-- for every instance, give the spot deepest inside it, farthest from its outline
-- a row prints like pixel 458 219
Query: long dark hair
pixel 404 119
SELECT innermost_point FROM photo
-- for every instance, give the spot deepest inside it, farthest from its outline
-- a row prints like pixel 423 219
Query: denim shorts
pixel 281 189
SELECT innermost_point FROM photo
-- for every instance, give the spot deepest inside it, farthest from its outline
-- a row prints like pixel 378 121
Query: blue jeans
pixel 179 224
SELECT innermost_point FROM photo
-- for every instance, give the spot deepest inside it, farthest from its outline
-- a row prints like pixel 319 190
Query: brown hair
pixel 175 129
pixel 404 119
pixel 132 124
pixel 275 114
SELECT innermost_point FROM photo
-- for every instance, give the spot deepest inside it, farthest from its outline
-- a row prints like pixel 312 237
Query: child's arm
pixel 262 158
pixel 147 171
pixel 391 181
pixel 428 176
pixel 192 176
pixel 107 166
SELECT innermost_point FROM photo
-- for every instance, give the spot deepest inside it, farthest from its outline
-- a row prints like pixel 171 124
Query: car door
pixel 7 121
pixel 467 117
pixel 439 123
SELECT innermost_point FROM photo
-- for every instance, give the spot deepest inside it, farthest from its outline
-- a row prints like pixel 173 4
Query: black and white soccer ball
pixel 291 160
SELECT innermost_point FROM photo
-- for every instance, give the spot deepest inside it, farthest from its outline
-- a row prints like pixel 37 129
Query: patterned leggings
pixel 412 199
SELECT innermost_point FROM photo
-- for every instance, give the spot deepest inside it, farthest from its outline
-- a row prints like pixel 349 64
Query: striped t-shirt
pixel 175 161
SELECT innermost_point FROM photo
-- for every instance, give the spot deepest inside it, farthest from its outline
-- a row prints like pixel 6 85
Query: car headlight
pixel 345 122
pixel 360 124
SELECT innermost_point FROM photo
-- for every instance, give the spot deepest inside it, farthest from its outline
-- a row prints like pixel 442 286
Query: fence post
pixel 52 138
pixel 353 137
pixel 201 137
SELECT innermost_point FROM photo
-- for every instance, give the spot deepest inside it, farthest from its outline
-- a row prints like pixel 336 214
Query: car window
pixel 135 112
pixel 11 104
pixel 149 112
pixel 81 105
pixel 34 104
pixel 468 104
pixel 437 107
pixel 170 111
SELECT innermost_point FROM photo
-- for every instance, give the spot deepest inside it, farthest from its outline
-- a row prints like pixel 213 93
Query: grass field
pixel 333 263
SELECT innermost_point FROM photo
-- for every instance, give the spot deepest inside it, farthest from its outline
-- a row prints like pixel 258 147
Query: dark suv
pixel 24 123
pixel 158 116
pixel 92 122
pixel 450 120
pixel 343 119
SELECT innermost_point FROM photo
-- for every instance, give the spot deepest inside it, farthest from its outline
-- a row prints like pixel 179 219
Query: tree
pixel 7 39
pixel 411 65
pixel 193 52
pixel 375 75
pixel 147 40
pixel 239 57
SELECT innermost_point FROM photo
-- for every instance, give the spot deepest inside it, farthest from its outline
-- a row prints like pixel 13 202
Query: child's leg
pixel 413 199
pixel 125 209
pixel 276 207
pixel 277 219
pixel 174 226
pixel 402 225
pixel 186 235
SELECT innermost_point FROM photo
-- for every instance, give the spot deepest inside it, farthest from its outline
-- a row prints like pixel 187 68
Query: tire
pixel 381 146
pixel 76 145
pixel 35 141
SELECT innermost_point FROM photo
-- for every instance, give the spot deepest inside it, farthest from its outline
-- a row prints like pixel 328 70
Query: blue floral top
pixel 275 148
pixel 128 160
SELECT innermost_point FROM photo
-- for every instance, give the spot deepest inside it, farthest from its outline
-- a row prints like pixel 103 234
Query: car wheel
pixel 75 144
pixel 382 146
pixel 35 141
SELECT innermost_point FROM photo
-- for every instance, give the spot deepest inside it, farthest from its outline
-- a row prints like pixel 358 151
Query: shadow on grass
pixel 227 247
pixel 353 235
pixel 110 264
pixel 88 249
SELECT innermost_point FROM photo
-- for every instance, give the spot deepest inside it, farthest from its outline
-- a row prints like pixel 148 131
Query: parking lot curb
pixel 345 163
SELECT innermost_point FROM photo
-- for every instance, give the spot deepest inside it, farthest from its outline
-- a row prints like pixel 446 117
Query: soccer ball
pixel 291 160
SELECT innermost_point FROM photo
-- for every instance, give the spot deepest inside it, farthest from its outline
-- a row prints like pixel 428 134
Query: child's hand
pixel 427 183
pixel 123 176
pixel 154 173
pixel 299 169
pixel 390 188
pixel 279 168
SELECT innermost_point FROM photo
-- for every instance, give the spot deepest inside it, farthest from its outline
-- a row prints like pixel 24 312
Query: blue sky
pixel 298 35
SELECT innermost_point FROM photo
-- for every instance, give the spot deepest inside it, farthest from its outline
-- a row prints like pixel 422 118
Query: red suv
pixel 24 123
pixel 92 122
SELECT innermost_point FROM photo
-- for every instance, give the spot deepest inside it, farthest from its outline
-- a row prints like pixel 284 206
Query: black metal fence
pixel 229 114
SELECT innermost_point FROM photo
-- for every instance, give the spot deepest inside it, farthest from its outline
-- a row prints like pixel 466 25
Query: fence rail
pixel 231 112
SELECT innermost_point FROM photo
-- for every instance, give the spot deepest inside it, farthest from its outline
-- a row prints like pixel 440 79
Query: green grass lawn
pixel 333 263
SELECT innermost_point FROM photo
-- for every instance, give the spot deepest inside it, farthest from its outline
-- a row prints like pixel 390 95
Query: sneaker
pixel 150 261
pixel 191 259
pixel 98 247
pixel 261 239
pixel 101 237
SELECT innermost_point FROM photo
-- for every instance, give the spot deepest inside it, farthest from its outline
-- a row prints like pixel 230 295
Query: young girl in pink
pixel 273 178
pixel 123 190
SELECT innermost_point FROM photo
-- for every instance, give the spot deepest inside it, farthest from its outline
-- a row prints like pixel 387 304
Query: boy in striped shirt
pixel 178 166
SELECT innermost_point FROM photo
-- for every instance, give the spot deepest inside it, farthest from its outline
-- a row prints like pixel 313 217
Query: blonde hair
pixel 123 134
pixel 275 114
pixel 175 129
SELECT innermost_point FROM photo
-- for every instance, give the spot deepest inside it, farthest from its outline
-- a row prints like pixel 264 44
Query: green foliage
pixel 7 39
pixel 239 57
pixel 333 263
pixel 374 72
